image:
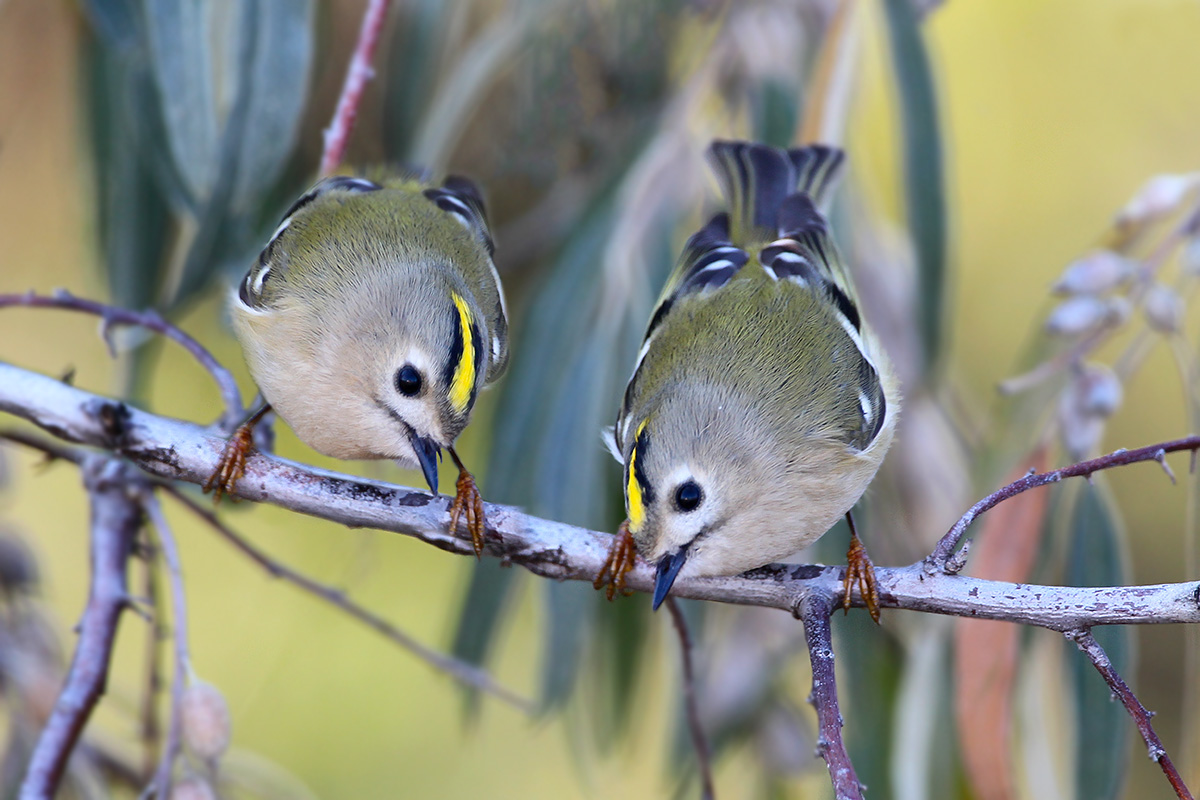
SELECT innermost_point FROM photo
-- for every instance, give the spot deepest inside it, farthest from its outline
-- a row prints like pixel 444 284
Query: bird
pixel 370 321
pixel 761 403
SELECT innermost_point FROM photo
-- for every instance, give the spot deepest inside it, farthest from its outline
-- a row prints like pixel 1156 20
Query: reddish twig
pixel 357 75
pixel 468 674
pixel 699 743
pixel 150 320
pixel 1141 717
pixel 940 558
pixel 115 520
pixel 814 610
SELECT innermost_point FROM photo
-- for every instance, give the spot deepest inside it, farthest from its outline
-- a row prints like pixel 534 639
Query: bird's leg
pixel 861 570
pixel 468 504
pixel 232 465
pixel 621 558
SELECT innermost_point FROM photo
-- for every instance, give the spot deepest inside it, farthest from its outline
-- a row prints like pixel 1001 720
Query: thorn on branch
pixel 1161 458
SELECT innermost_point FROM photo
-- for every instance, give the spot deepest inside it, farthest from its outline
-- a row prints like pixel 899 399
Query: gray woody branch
pixel 179 450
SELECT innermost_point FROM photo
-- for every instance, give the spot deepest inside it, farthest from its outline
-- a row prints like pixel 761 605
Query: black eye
pixel 408 380
pixel 688 496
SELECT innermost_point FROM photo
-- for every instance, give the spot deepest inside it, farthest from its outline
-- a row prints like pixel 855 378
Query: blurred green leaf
pixel 483 609
pixel 775 108
pixel 276 87
pixel 132 214
pixel 923 180
pixel 1096 557
pixel 414 61
pixel 180 38
pixel 118 22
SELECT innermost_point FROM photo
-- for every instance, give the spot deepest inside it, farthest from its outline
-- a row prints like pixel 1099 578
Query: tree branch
pixel 1141 717
pixel 178 450
pixel 699 743
pixel 814 609
pixel 182 668
pixel 357 75
pixel 940 559
pixel 150 320
pixel 115 520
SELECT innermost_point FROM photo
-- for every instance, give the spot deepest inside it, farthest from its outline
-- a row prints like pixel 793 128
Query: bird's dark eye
pixel 688 496
pixel 408 381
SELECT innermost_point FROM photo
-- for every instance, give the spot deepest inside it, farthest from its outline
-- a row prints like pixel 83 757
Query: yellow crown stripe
pixel 464 372
pixel 633 491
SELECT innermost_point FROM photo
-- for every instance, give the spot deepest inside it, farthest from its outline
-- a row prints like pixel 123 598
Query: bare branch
pixel 1141 717
pixel 115 520
pixel 467 674
pixel 182 669
pixel 939 559
pixel 699 743
pixel 814 609
pixel 357 75
pixel 150 320
pixel 183 451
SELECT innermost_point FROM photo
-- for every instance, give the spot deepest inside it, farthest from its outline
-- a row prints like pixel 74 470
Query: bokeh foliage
pixel 585 123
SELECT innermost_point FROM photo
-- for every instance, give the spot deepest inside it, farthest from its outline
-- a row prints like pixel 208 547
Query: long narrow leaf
pixel 923 179
pixel 1097 557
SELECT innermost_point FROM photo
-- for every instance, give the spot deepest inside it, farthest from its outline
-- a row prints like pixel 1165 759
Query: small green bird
pixel 761 404
pixel 372 319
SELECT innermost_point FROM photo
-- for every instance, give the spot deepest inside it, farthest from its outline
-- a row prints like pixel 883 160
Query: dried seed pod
pixel 205 718
pixel 1098 271
pixel 1081 432
pixel 1157 198
pixel 193 788
pixel 1189 259
pixel 1077 315
pixel 1098 390
pixel 1119 310
pixel 1164 309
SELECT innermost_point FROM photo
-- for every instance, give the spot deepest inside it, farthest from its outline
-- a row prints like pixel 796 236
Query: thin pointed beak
pixel 668 567
pixel 428 454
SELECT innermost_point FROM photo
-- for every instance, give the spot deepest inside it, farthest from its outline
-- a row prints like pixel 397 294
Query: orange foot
pixel 861 570
pixel 468 504
pixel 621 558
pixel 232 465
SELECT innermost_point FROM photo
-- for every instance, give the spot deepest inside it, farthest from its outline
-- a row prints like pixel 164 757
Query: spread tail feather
pixel 757 178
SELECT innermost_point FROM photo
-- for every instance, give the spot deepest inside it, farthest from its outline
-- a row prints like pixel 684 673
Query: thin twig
pixel 150 320
pixel 937 560
pixel 177 450
pixel 1141 717
pixel 156 633
pixel 699 743
pixel 467 674
pixel 814 609
pixel 357 75
pixel 115 520
pixel 183 660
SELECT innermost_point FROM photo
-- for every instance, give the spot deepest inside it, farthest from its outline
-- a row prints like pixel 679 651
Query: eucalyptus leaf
pixel 117 22
pixel 217 217
pixel 1097 557
pixel 179 36
pixel 413 68
pixel 924 188
pixel 870 663
pixel 277 83
pixel 132 215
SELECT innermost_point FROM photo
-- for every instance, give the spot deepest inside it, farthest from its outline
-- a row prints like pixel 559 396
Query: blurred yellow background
pixel 1054 114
